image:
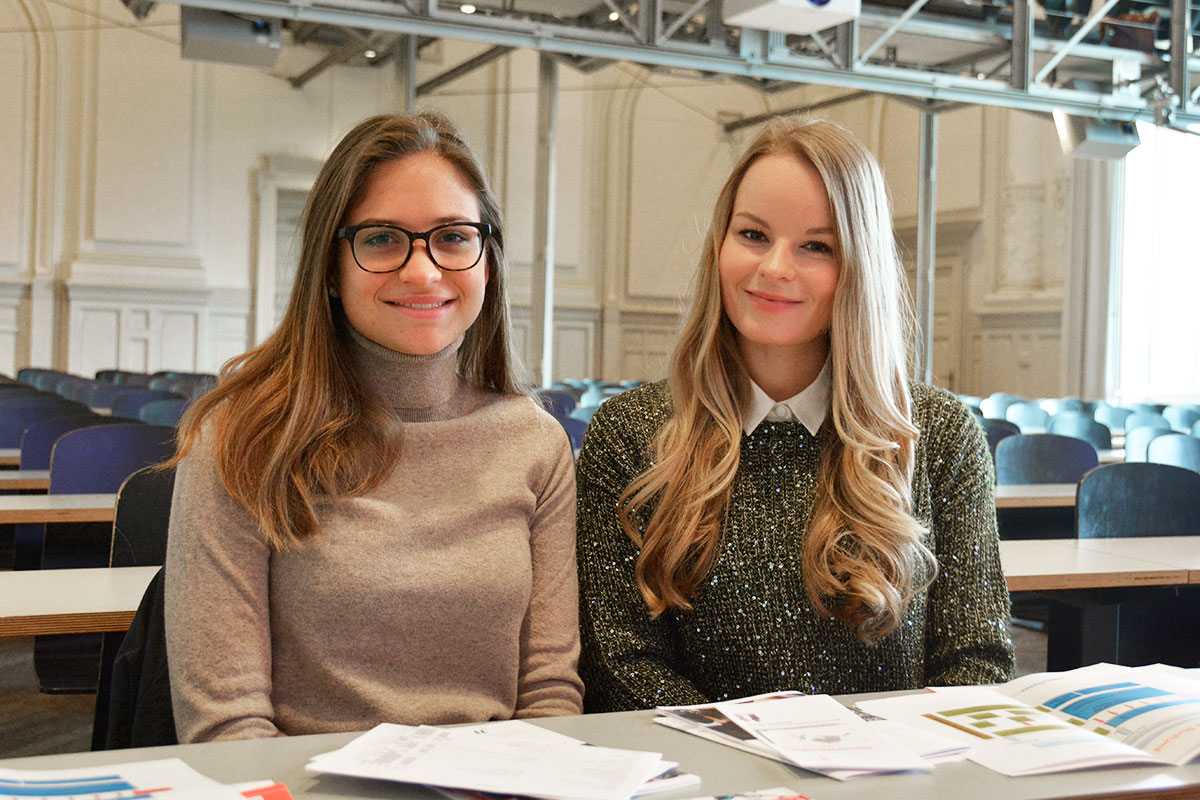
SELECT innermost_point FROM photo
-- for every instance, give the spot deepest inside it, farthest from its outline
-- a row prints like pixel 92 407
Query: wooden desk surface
pixel 1044 565
pixel 57 508
pixel 41 601
pixel 1114 456
pixel 1048 564
pixel 10 456
pixel 25 479
pixel 1035 495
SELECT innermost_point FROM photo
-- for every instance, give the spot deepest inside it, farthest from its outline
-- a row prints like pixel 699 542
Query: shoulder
pixel 634 415
pixel 940 414
pixel 621 432
pixel 520 418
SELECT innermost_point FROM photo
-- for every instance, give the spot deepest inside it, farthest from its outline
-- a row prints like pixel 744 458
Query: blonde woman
pixel 788 510
pixel 371 522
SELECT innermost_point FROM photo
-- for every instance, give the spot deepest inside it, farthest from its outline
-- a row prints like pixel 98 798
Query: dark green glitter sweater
pixel 752 628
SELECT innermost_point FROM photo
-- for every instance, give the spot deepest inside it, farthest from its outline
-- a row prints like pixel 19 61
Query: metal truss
pixel 929 51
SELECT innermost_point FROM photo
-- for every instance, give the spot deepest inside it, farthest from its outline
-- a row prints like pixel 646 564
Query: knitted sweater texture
pixel 752 628
pixel 446 594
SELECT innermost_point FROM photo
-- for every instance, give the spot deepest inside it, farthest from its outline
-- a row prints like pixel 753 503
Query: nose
pixel 778 263
pixel 420 267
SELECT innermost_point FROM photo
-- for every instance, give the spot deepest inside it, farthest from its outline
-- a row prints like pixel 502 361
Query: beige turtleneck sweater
pixel 446 594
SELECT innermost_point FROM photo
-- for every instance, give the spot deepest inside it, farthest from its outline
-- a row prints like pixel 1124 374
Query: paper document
pixel 169 778
pixel 817 732
pixel 507 757
pixel 1094 716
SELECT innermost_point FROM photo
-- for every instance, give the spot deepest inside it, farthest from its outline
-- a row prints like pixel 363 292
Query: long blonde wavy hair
pixel 289 419
pixel 863 556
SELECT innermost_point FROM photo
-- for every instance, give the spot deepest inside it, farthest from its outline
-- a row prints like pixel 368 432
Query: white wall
pixel 132 232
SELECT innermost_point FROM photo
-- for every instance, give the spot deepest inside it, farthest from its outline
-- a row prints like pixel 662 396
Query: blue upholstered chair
pixel 1131 500
pixel 1176 449
pixel 92 459
pixel 1182 417
pixel 128 404
pixel 1029 417
pixel 558 402
pixel 1043 458
pixel 1137 440
pixel 1146 419
pixel 163 412
pixel 1112 416
pixel 575 429
pixel 997 429
pixel 994 405
pixel 1081 426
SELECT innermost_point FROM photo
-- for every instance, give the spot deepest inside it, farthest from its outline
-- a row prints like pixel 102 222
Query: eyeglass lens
pixel 383 249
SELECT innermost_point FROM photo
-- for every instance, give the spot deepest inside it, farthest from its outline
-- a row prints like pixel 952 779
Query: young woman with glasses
pixel 371 521
pixel 788 510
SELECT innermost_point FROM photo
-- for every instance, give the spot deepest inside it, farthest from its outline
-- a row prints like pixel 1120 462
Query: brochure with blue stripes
pixel 1058 721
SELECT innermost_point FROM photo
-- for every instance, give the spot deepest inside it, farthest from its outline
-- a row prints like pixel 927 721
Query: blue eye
pixel 818 247
pixel 753 235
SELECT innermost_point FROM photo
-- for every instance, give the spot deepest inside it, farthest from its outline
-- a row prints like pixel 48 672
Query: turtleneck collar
pixel 418 388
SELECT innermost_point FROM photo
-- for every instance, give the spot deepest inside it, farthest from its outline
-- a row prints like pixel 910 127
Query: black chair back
pixel 1138 499
pixel 1043 458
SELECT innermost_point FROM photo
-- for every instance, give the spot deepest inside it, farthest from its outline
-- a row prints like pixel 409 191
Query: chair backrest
pixel 1059 405
pixel 142 517
pixel 99 458
pixel 583 412
pixel 559 403
pixel 1029 417
pixel 1119 500
pixel 13 422
pixel 163 412
pixel 1112 416
pixel 997 429
pixel 993 406
pixel 38 440
pixel 1181 417
pixel 38 399
pixel 103 395
pixel 1138 439
pixel 1146 419
pixel 1177 449
pixel 1043 458
pixel 575 429
pixel 128 404
pixel 1081 426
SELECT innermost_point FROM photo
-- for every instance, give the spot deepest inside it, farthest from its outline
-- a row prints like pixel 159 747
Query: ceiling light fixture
pixel 369 53
pixel 613 16
pixel 467 8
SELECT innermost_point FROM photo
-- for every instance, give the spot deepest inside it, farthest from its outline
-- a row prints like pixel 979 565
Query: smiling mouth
pixel 419 306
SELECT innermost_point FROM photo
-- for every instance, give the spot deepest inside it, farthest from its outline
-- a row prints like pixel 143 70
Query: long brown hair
pixel 863 557
pixel 289 420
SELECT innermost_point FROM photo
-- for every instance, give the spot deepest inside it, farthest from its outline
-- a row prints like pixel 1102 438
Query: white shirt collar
pixel 808 407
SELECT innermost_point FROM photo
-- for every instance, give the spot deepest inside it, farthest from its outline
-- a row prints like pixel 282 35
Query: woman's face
pixel 419 309
pixel 778 266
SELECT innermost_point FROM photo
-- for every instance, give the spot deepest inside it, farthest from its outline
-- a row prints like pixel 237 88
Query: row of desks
pixel 100 507
pixel 94 600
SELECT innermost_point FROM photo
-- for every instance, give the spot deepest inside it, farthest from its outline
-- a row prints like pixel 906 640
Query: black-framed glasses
pixel 455 246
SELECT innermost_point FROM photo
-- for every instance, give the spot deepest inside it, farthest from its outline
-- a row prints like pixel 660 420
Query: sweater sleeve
pixel 549 684
pixel 969 642
pixel 216 609
pixel 627 657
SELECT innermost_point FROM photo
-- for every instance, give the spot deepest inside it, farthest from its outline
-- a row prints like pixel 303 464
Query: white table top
pixel 70 600
pixel 1114 456
pixel 57 508
pixel 722 769
pixel 25 479
pixel 1048 564
pixel 1035 495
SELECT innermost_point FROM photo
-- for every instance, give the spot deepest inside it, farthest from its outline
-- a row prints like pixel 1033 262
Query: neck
pixel 784 372
pixel 418 388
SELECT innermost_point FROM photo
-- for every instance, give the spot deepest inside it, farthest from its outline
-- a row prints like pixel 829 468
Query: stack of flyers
pixel 814 732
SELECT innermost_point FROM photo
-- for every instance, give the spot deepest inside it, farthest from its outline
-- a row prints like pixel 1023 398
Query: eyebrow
pixel 439 221
pixel 760 221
